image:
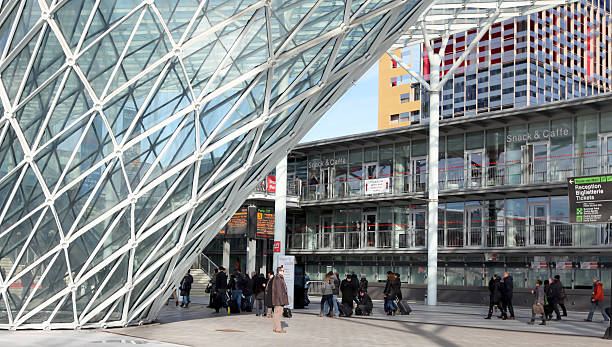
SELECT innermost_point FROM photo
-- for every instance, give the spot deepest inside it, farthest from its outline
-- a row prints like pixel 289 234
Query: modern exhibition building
pixel 503 202
pixel 129 130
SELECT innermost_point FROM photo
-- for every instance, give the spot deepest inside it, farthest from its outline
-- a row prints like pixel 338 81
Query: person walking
pixel 173 296
pixel 387 294
pixel 507 299
pixel 538 304
pixel 259 288
pixel 327 294
pixel 306 287
pixel 364 304
pixel 279 299
pixel 247 291
pixel 562 295
pixel 221 288
pixel 597 301
pixel 552 294
pixel 186 289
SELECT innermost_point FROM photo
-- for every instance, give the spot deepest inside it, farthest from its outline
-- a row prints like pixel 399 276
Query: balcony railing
pixel 509 236
pixel 540 171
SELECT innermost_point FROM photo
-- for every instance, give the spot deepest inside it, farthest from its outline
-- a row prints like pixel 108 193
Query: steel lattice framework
pixel 131 130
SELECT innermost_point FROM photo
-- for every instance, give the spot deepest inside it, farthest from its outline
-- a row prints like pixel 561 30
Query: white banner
pixel 377 186
pixel 589 265
pixel 288 264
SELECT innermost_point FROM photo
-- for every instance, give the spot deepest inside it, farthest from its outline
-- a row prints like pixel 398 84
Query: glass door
pixel 326 185
pixel 605 155
pixel 474 163
pixel 418 228
pixel 419 174
pixel 540 162
pixel 538 219
pixel 474 225
pixel 369 228
pixel 325 232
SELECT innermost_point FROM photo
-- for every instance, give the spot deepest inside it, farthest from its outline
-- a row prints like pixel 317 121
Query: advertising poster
pixel 288 263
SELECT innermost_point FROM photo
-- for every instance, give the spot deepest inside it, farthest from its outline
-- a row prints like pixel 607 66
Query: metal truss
pixel 130 131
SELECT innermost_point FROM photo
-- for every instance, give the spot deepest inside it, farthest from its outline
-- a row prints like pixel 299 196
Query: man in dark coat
pixel 494 295
pixel 363 284
pixel 186 289
pixel 364 304
pixel 553 297
pixel 507 299
pixel 348 291
pixel 279 298
pixel 221 287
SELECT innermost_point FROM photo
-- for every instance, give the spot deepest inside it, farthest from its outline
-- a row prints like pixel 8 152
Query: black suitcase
pixel 403 306
pixel 215 301
pixel 233 306
pixel 345 310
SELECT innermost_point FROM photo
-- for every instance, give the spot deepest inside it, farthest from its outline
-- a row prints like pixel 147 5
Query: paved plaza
pixel 443 325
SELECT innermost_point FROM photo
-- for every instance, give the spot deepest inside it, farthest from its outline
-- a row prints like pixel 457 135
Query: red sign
pixel 277 246
pixel 271 184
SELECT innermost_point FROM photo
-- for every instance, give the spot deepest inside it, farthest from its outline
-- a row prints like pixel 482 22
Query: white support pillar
pixel 226 255
pixel 280 210
pixel 251 256
pixel 432 161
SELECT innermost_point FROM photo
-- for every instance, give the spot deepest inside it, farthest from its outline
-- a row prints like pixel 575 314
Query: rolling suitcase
pixel 403 306
pixel 345 310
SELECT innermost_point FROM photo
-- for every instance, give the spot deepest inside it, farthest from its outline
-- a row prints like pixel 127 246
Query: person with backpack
pixel 259 288
pixel 539 303
pixel 363 284
pixel 597 301
pixel 562 295
pixel 221 289
pixel 186 289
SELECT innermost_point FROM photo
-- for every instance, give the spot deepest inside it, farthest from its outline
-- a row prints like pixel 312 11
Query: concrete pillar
pixel 432 205
pixel 251 256
pixel 226 255
pixel 280 210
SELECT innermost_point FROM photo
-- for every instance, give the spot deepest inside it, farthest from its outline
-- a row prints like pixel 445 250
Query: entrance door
pixel 605 153
pixel 369 227
pixel 474 225
pixel 327 175
pixel 325 232
pixel 538 219
pixel 474 162
pixel 419 174
pixel 370 170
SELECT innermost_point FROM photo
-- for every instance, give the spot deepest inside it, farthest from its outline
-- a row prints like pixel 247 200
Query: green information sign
pixel 590 199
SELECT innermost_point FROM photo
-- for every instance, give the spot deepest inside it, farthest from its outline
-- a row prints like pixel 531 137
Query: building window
pixel 393 64
pixel 404 98
pixel 393 81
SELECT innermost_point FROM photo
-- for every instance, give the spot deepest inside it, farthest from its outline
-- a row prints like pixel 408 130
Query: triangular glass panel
pixel 147 202
pixel 65 314
pixel 116 282
pixel 71 19
pixel 18 291
pixel 29 196
pixel 13 242
pixel 73 102
pixel 119 237
pixel 107 14
pixel 325 18
pixel 180 196
pixel 177 15
pixel 13 74
pixel 46 237
pixel 11 153
pixel 284 17
pixel 29 16
pixel 214 12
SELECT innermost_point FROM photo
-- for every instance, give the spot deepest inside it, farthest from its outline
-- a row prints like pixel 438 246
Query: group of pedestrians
pixel 268 294
pixel 500 296
pixel 354 296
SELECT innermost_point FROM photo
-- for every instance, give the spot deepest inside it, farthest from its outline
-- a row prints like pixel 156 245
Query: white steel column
pixel 226 254
pixel 280 209
pixel 251 256
pixel 432 163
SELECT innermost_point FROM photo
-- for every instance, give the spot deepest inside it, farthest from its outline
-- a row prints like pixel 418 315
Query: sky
pixel 355 112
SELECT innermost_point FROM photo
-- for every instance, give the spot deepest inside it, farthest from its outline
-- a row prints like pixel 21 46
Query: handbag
pixel 207 290
pixel 538 309
pixel 287 312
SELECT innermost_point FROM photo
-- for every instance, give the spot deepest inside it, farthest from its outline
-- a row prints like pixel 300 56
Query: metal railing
pixel 508 236
pixel 293 188
pixel 540 171
pixel 205 264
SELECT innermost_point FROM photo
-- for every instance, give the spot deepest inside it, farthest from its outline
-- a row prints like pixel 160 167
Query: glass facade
pixel 130 129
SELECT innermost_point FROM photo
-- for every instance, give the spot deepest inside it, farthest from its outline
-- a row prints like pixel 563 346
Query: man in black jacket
pixel 364 304
pixel 221 284
pixel 553 297
pixel 507 299
pixel 348 291
pixel 495 295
